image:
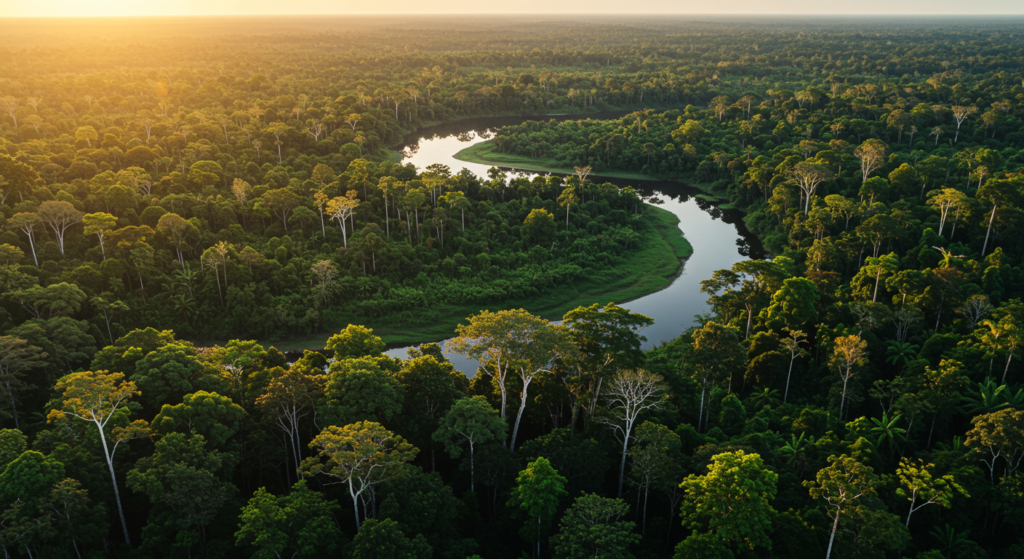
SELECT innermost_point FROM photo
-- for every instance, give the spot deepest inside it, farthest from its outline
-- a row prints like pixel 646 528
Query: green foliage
pixel 732 501
pixel 591 528
pixel 354 342
pixel 299 524
pixel 878 162
pixel 384 540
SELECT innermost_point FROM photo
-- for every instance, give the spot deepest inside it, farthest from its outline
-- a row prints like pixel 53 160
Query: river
pixel 718 235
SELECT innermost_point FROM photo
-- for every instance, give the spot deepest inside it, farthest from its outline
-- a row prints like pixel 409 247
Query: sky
pixel 105 8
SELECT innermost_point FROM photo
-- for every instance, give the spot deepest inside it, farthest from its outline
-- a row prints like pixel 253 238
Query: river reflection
pixel 718 236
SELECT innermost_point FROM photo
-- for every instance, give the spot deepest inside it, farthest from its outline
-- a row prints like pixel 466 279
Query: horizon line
pixel 540 14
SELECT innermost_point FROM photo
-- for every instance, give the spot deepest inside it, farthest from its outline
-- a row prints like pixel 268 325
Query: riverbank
pixel 651 267
pixel 485 153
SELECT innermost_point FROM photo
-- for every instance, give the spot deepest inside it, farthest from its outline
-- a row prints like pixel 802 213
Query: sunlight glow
pixel 108 8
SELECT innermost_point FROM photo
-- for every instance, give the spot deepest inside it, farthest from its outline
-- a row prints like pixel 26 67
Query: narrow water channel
pixel 718 236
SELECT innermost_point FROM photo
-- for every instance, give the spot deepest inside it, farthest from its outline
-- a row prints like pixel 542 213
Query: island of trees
pixel 857 395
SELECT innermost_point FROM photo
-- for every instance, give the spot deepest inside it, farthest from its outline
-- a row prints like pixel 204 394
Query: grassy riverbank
pixel 485 154
pixel 649 268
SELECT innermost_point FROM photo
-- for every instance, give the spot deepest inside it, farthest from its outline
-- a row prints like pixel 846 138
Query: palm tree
pixel 987 398
pixel 185 305
pixel 950 542
pixel 567 199
pixel 885 430
pixel 900 353
pixel 795 452
pixel 767 398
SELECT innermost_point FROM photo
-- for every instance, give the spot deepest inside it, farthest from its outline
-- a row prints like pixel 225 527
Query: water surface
pixel 718 236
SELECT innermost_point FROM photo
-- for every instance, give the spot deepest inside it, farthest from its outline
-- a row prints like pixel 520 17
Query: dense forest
pixel 169 185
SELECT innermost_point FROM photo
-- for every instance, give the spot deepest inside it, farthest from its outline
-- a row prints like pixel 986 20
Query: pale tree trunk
pixel 842 400
pixel 987 232
pixel 700 414
pixel 833 536
pixel 355 502
pixel 472 469
pixel 113 479
pixel 32 245
pixel 519 416
pixel 622 462
pixel 792 357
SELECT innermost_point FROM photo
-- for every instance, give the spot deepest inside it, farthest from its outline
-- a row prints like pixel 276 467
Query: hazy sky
pixel 578 7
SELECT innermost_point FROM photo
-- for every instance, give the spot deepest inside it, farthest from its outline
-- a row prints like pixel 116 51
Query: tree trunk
pixel 472 469
pixel 217 275
pixel 106 317
pixel 32 244
pixel 643 529
pixel 785 394
pixel 987 232
pixel 833 536
pixel 355 503
pixel 519 416
pixel 842 400
pixel 622 462
pixel 113 479
pixel 700 414
pixel 878 276
pixel 14 407
pixel 538 538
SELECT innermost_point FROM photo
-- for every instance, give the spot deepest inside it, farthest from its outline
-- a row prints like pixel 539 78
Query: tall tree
pixel 733 500
pixel 601 341
pixel 291 395
pixel 470 421
pixel 361 455
pixel 842 484
pixel 299 525
pixel 98 224
pixel 509 341
pixel 537 491
pixel 27 222
pixel 630 393
pixel 17 357
pixel 591 528
pixel 102 399
pixel 998 435
pixel 849 354
pixel 808 176
pixel 872 156
pixel 656 458
pixel 922 487
pixel 792 344
pixel 60 216
pixel 749 284
pixel 1001 194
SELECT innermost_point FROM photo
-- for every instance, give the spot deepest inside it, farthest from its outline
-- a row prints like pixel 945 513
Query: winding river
pixel 718 235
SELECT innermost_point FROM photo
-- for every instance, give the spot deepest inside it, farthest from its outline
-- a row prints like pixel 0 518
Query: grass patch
pixel 650 267
pixel 668 225
pixel 485 154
